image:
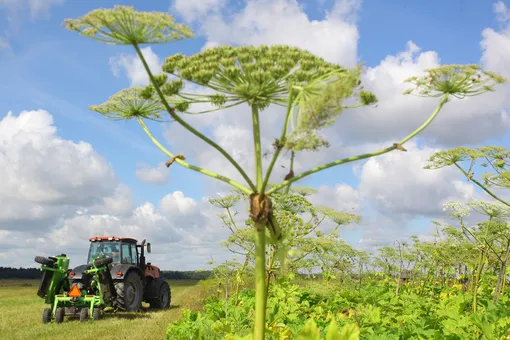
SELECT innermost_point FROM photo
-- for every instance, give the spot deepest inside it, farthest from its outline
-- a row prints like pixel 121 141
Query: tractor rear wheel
pixel 59 315
pixel 164 297
pixel 84 314
pixel 46 315
pixel 129 293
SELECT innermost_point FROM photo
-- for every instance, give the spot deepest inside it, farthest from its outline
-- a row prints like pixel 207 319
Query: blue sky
pixel 47 67
pixel 51 68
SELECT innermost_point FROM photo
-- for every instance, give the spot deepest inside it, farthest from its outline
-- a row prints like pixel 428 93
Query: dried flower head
pixel 122 25
pixel 456 80
pixel 129 103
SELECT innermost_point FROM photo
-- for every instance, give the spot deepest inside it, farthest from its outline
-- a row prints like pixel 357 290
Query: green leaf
pixel 349 332
pixel 310 331
pixel 333 331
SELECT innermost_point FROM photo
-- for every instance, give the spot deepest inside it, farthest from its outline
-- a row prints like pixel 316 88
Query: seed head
pixel 456 80
pixel 130 103
pixel 122 25
pixel 256 75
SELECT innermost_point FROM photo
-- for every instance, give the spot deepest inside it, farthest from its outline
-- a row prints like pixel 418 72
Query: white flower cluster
pixel 458 209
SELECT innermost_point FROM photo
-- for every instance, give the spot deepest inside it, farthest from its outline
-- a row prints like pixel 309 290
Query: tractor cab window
pixel 104 248
pixel 134 255
pixel 127 256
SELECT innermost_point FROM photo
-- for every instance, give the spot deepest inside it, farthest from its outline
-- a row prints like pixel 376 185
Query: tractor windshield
pixel 106 248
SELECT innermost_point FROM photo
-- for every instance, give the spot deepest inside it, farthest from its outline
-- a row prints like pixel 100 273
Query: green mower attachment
pixel 71 299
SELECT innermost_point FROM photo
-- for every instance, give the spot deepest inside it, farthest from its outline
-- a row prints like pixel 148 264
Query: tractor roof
pixel 112 238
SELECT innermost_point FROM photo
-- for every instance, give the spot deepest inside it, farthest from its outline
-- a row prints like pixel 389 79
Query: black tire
pixel 102 262
pixel 129 293
pixel 84 314
pixel 59 315
pixel 96 313
pixel 44 261
pixel 164 297
pixel 46 315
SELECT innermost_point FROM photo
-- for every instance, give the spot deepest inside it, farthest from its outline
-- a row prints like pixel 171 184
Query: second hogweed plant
pixel 311 90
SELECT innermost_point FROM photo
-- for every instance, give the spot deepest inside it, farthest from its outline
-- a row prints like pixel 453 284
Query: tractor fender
pixel 124 268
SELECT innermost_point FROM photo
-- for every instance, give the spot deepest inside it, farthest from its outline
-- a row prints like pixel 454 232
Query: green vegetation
pixel 453 287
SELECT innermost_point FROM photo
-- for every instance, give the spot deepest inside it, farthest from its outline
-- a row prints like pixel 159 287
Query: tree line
pixel 36 273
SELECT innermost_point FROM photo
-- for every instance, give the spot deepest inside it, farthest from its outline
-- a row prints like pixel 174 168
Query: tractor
pixel 115 275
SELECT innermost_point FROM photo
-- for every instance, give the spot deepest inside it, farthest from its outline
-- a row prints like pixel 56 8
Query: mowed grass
pixel 21 315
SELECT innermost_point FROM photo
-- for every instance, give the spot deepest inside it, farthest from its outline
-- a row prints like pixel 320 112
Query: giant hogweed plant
pixel 302 244
pixel 497 160
pixel 311 90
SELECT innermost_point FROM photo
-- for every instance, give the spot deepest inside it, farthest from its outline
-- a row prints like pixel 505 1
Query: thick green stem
pixel 186 125
pixel 367 155
pixel 189 166
pixel 257 147
pixel 290 107
pixel 260 283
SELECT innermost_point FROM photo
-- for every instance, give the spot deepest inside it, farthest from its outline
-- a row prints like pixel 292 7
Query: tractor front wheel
pixel 96 313
pixel 129 293
pixel 59 315
pixel 46 315
pixel 164 297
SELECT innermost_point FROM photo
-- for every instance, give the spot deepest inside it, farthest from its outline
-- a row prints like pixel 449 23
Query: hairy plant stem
pixel 260 283
pixel 186 125
pixel 443 101
pixel 189 166
pixel 260 238
pixel 257 148
pixel 290 108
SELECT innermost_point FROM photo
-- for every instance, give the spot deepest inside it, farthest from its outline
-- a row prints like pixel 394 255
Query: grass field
pixel 21 313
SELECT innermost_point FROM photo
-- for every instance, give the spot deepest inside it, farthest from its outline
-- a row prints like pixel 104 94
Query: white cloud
pixel 192 10
pixel 43 176
pixel 502 11
pixel 341 197
pixel 177 203
pixel 133 68
pixel 398 184
pixel 285 22
pixel 154 175
pixel 496 44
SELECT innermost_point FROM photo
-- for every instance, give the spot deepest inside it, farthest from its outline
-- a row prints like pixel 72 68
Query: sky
pixel 67 173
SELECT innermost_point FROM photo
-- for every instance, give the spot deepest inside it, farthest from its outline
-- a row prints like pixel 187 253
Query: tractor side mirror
pixel 148 247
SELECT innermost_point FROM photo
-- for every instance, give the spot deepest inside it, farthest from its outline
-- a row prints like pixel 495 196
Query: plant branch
pixel 481 185
pixel 280 141
pixel 363 156
pixel 186 125
pixel 189 166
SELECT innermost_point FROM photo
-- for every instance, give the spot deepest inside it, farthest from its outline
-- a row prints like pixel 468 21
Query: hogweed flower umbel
pixel 122 25
pixel 128 104
pixel 459 81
